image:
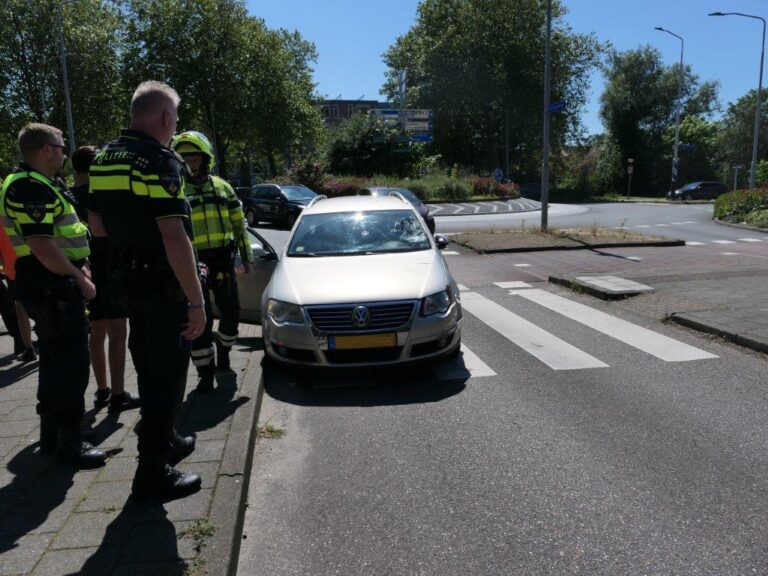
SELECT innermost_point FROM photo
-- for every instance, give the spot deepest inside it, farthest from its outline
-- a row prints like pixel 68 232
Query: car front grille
pixel 339 318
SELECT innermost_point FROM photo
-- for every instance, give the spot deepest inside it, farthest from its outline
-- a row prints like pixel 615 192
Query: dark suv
pixel 277 203
pixel 698 191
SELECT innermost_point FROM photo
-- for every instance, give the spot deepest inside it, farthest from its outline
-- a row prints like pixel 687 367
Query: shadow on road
pixel 369 387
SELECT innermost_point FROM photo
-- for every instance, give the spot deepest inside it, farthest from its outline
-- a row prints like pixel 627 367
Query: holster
pixel 55 319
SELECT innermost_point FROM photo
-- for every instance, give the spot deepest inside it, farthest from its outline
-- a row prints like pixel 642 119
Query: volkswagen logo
pixel 361 316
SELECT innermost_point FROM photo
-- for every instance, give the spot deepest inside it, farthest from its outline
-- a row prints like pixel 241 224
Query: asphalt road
pixel 621 444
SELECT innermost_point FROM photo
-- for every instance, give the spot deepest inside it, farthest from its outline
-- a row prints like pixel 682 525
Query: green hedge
pixel 736 206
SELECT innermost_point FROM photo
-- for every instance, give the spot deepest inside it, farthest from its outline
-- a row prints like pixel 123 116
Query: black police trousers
pixel 62 330
pixel 221 284
pixel 160 355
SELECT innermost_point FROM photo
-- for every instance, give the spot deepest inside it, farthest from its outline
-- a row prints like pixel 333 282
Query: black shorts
pixel 102 307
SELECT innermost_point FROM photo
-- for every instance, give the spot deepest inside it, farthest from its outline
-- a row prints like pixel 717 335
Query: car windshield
pixel 407 194
pixel 355 233
pixel 298 193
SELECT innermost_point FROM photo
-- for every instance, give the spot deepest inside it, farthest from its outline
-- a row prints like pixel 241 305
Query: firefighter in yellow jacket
pixel 219 233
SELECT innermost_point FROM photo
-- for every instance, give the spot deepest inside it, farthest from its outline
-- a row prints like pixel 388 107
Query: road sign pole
pixel 545 163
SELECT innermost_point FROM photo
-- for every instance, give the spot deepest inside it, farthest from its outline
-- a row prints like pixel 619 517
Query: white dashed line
pixel 522 265
pixel 750 240
pixel 694 243
pixel 507 285
pixel 723 242
pixel 449 253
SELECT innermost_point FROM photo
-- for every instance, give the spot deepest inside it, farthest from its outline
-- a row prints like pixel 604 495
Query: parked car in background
pixel 421 208
pixel 242 191
pixel 361 283
pixel 698 191
pixel 277 203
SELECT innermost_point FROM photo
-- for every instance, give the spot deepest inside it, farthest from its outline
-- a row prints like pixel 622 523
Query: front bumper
pixel 422 339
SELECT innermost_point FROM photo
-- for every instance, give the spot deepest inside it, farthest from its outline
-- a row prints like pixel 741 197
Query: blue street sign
pixel 498 174
pixel 421 138
pixel 556 107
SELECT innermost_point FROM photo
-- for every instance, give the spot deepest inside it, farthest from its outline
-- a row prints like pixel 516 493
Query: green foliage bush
pixel 308 172
pixel 735 206
pixel 757 218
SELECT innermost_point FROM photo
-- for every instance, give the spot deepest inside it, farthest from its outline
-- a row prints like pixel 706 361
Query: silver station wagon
pixel 361 282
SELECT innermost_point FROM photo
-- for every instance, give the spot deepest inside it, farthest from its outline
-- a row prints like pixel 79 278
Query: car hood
pixel 339 279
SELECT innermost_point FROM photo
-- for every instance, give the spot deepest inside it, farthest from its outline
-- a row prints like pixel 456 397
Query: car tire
pixel 250 217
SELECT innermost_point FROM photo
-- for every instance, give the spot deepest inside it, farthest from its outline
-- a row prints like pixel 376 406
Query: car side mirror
pixel 441 241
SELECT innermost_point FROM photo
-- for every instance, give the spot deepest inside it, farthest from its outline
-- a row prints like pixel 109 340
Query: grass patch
pixel 269 431
pixel 534 238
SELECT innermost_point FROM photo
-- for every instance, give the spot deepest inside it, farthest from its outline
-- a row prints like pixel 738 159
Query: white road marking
pixel 554 352
pixel 648 341
pixel 679 223
pixel 723 242
pixel 506 285
pixel 468 365
pixel 461 287
pixel 642 226
pixel 694 243
pixel 690 222
pixel 729 253
pixel 663 225
pixel 750 240
pixel 635 258
pixel 449 253
pixel 521 265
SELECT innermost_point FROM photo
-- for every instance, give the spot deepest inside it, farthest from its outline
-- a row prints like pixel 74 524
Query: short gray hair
pixel 151 97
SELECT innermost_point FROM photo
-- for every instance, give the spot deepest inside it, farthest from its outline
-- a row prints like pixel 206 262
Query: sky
pixel 351 37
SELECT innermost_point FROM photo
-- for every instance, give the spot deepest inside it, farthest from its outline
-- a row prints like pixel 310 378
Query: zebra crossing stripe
pixel 750 240
pixel 554 352
pixel 468 366
pixel 694 243
pixel 648 341
pixel 723 242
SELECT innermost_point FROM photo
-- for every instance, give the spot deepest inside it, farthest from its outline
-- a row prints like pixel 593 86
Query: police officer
pixel 51 245
pixel 219 230
pixel 137 200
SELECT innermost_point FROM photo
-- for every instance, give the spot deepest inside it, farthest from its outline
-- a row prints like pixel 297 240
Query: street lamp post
pixel 675 156
pixel 755 138
pixel 65 79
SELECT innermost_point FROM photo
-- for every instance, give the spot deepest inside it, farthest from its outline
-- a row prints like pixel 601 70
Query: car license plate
pixel 363 341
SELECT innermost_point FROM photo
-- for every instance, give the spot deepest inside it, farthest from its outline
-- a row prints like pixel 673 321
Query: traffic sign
pixel 498 174
pixel 422 138
pixel 386 112
pixel 556 107
pixel 419 114
pixel 418 126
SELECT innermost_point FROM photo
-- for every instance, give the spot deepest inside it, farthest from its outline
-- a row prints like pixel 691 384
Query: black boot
pixel 222 357
pixel 181 447
pixel 206 379
pixel 48 433
pixel 123 401
pixel 156 479
pixel 73 449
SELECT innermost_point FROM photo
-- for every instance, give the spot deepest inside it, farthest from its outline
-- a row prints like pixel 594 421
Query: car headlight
pixel 284 312
pixel 436 303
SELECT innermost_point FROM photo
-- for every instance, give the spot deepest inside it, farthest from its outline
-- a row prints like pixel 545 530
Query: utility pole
pixel 545 164
pixel 65 79
pixel 506 164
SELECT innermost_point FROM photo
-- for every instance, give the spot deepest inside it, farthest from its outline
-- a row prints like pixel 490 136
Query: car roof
pixel 357 203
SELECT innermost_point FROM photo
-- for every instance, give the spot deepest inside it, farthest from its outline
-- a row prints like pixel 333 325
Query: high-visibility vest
pixel 69 234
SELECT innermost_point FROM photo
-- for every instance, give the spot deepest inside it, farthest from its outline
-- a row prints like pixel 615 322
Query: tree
pixel 736 135
pixel 638 108
pixel 31 85
pixel 241 83
pixel 479 63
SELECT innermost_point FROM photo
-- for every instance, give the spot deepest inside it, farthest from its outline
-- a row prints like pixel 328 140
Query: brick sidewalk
pixel 55 520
